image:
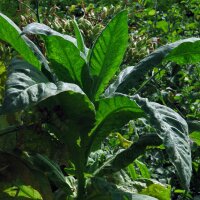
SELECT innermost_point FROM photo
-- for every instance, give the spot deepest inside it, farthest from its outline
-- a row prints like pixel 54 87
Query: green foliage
pixel 67 101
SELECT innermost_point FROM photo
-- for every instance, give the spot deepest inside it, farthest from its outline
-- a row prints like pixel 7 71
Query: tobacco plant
pixel 68 102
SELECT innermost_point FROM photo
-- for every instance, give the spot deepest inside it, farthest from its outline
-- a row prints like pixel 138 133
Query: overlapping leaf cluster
pixel 75 108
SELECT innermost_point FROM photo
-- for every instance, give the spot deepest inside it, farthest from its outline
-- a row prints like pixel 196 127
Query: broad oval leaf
pixel 107 53
pixel 173 130
pixel 130 76
pixel 10 33
pixel 113 113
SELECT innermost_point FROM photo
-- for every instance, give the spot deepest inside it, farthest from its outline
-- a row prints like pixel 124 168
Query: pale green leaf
pixel 131 76
pixel 173 130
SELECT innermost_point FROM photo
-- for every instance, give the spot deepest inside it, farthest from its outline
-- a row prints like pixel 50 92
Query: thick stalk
pixel 81 186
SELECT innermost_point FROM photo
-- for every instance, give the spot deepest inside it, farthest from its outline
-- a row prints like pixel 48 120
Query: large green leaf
pixel 107 53
pixel 173 130
pixel 112 114
pixel 67 62
pixel 10 33
pixel 26 86
pixel 130 77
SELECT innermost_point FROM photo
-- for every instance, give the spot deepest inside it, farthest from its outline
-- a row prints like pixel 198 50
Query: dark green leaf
pixel 173 130
pixel 130 77
pixel 16 169
pixel 107 53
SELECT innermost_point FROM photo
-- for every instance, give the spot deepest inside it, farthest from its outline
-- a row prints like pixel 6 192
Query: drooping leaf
pixel 124 158
pixel 173 131
pixel 42 29
pixel 186 53
pixel 62 51
pixel 130 77
pixel 26 86
pixel 52 170
pixel 112 114
pixel 10 33
pixel 107 53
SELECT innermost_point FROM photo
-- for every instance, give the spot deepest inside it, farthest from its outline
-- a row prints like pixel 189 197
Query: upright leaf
pixel 14 169
pixel 10 33
pixel 67 60
pixel 112 114
pixel 130 77
pixel 107 53
pixel 173 130
pixel 79 37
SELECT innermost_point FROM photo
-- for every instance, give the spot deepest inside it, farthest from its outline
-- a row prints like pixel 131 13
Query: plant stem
pixel 37 10
pixel 81 186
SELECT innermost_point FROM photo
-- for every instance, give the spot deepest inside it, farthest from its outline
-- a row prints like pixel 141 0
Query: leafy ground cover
pixel 73 122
